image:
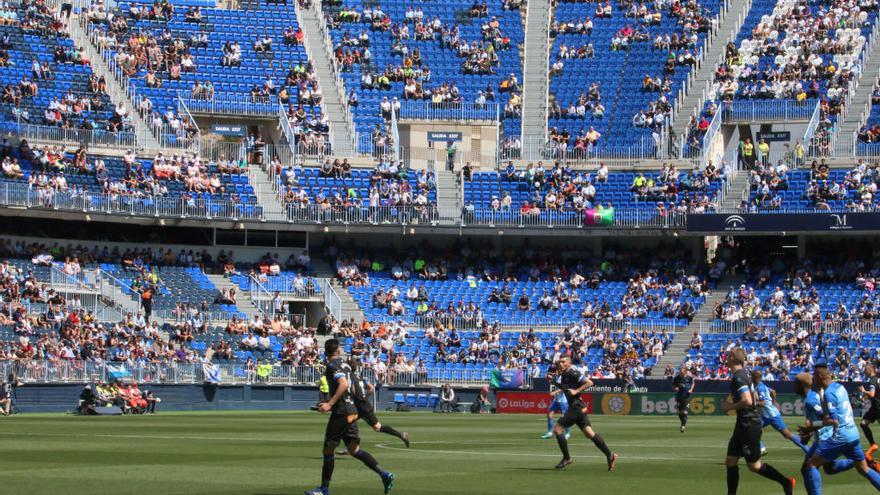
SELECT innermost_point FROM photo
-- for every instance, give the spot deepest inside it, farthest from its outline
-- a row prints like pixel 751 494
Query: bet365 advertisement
pixel 655 404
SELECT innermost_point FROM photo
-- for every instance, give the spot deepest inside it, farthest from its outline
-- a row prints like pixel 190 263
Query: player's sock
pixel 797 441
pixel 732 480
pixel 390 431
pixel 868 434
pixel 874 478
pixel 771 473
pixel 549 425
pixel 683 418
pixel 369 461
pixel 600 444
pixel 812 480
pixel 839 466
pixel 563 445
pixel 327 470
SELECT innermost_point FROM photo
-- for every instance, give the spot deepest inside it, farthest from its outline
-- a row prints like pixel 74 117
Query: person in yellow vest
pixel 748 153
pixel 799 153
pixel 764 150
pixel 323 390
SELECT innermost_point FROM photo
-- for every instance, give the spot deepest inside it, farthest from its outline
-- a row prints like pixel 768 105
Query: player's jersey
pixel 337 369
pixel 358 389
pixel 814 414
pixel 835 401
pixel 873 385
pixel 741 384
pixel 683 383
pixel 769 410
pixel 570 380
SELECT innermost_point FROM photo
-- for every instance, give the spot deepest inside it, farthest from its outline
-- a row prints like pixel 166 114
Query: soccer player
pixel 573 383
pixel 558 405
pixel 683 384
pixel 342 425
pixel 870 394
pixel 844 439
pixel 360 391
pixel 746 438
pixel 803 386
pixel 770 415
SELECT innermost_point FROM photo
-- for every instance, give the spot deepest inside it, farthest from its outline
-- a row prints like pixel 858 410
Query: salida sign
pixel 529 402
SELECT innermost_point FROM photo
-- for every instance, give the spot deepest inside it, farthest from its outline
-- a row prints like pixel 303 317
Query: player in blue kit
pixel 770 415
pixel 813 429
pixel 843 441
pixel 558 405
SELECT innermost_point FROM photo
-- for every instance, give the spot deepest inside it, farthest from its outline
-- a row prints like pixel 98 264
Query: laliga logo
pixel 503 403
pixel 734 221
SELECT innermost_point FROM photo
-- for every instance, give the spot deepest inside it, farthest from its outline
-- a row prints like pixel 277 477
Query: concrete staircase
pixel 449 197
pixel 334 106
pixel 729 23
pixel 145 138
pixel 535 70
pixel 733 196
pixel 859 104
pixel 268 198
pixel 350 309
pixel 679 346
pixel 243 298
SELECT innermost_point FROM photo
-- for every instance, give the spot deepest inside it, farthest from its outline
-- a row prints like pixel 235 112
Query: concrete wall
pixel 477 145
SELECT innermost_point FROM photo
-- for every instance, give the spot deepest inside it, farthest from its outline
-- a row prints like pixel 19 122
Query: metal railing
pixel 645 148
pixel 464 112
pixel 189 314
pixel 375 215
pixel 36 372
pixel 284 289
pixel 571 219
pixel 826 326
pixel 85 281
pixel 22 195
pixel 332 302
pixel 91 137
pixel 231 103
pixel 767 110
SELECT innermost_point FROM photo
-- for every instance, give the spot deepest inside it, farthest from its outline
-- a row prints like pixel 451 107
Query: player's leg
pixel 599 442
pixel 780 426
pixel 352 443
pixel 683 412
pixel 870 416
pixel 732 465
pixel 855 455
pixel 567 419
pixel 752 451
pixel 369 415
pixel 332 436
pixel 550 422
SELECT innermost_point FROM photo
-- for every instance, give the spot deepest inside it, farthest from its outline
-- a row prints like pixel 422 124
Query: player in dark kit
pixel 746 439
pixel 871 394
pixel 360 391
pixel 683 384
pixel 342 425
pixel 572 383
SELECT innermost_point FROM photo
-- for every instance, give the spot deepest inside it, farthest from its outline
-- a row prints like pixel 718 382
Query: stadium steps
pixel 243 298
pixel 729 23
pixel 535 74
pixel 123 303
pixel 267 197
pixel 145 138
pixel 738 188
pixel 860 105
pixel 678 348
pixel 449 200
pixel 350 308
pixel 341 131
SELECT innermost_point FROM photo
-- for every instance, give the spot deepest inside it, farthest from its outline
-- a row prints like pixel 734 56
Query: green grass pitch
pixel 278 453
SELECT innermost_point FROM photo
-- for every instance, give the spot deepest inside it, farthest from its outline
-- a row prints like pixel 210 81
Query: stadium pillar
pixel 802 246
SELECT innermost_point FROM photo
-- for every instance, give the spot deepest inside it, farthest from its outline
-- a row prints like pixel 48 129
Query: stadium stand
pixel 615 71
pixel 444 56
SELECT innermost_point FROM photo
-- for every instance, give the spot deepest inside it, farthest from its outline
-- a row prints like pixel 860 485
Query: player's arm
pixel 554 392
pixel 745 400
pixel 585 384
pixel 693 386
pixel 772 396
pixel 341 389
pixel 869 392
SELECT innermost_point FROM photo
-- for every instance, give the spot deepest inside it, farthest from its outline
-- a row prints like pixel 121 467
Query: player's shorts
pixel 558 407
pixel 366 412
pixel 745 442
pixel 683 402
pixel 776 422
pixel 812 450
pixel 831 450
pixel 872 414
pixel 341 428
pixel 574 416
